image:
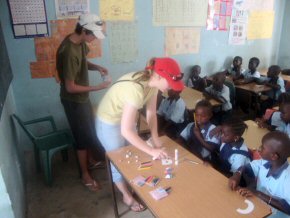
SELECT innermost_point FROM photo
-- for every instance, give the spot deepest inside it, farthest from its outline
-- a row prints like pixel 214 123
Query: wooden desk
pixel 254 88
pixel 254 134
pixel 192 96
pixel 263 72
pixel 197 190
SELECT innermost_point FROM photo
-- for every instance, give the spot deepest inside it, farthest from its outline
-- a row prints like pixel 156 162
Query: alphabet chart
pixel 28 18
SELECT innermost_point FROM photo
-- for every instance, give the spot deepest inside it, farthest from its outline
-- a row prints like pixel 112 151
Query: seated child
pixel 194 80
pixel 170 114
pixel 280 120
pixel 276 83
pixel 233 152
pixel 250 74
pixel 197 133
pixel 221 93
pixel 236 70
pixel 268 178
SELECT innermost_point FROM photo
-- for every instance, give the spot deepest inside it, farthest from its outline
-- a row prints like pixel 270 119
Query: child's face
pixel 172 93
pixel 202 115
pixel 218 82
pixel 195 72
pixel 227 135
pixel 285 112
pixel 237 62
pixel 252 65
pixel 266 150
pixel 271 73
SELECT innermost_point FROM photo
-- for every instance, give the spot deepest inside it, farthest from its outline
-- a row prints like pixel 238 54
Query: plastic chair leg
pixel 37 158
pixel 47 167
pixel 64 154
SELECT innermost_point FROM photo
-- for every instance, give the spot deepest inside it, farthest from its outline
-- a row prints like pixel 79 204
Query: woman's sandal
pixel 97 165
pixel 136 206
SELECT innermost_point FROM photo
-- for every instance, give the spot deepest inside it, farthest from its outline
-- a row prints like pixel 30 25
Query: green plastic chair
pixel 47 145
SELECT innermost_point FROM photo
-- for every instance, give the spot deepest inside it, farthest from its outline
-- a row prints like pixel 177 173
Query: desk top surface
pixel 253 87
pixel 197 190
pixel 254 134
pixel 192 96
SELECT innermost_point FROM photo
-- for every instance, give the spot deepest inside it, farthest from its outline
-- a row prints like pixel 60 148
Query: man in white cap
pixel 72 67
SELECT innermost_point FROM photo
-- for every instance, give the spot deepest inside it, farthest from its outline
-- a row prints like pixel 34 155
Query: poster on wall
pixel 182 40
pixel 28 18
pixel 179 12
pixel 238 27
pixel 261 25
pixel 219 14
pixel 71 8
pixel 259 5
pixel 117 10
pixel 123 41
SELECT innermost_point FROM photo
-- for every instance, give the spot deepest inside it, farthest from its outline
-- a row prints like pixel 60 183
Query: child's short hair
pixel 221 74
pixel 238 58
pixel 204 103
pixel 283 98
pixel 275 69
pixel 282 148
pixel 237 126
pixel 255 60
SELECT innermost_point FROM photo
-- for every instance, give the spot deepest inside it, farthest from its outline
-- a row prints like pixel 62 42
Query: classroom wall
pixel 284 52
pixel 39 97
pixel 11 165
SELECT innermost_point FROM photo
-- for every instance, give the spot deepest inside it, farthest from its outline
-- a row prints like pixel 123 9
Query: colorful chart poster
pixel 179 12
pixel 117 10
pixel 182 40
pixel 219 14
pixel 261 25
pixel 71 8
pixel 238 27
pixel 123 42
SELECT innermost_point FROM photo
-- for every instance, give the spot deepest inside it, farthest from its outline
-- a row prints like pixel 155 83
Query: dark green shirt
pixel 71 64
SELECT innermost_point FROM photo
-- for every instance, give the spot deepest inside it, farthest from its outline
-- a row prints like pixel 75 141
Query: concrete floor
pixel 68 198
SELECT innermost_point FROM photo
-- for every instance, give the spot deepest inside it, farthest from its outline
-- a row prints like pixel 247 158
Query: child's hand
pixel 261 123
pixel 215 132
pixel 196 132
pixel 234 182
pixel 245 192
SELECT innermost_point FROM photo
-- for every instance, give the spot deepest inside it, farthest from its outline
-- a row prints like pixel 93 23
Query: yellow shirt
pixel 110 109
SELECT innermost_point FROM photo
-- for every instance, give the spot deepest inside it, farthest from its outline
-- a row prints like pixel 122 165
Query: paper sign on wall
pixel 179 13
pixel 71 8
pixel 28 18
pixel 260 24
pixel 238 27
pixel 182 41
pixel 115 10
pixel 123 42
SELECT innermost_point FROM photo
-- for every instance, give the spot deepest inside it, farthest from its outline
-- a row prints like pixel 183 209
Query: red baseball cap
pixel 169 69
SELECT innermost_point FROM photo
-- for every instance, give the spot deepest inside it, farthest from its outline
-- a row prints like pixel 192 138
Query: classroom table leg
pixel 112 187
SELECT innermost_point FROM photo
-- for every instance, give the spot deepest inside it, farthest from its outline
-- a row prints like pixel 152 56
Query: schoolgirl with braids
pixel 233 152
pixel 117 111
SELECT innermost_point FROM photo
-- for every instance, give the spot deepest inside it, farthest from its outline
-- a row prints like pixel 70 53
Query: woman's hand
pixel 158 153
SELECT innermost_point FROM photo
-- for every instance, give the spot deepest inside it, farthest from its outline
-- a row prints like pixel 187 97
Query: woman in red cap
pixel 117 111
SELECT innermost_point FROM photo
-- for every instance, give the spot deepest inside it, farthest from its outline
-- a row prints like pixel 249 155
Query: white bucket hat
pixel 94 23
